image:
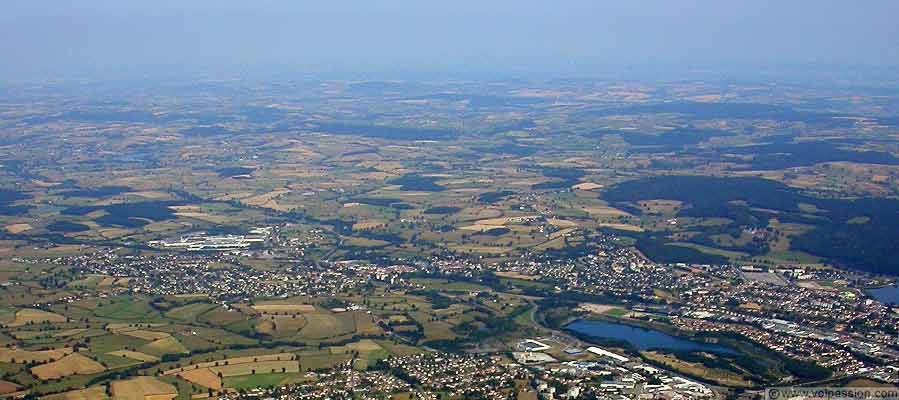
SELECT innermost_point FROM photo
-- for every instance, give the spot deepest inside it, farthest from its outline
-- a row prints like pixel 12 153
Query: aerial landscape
pixel 710 235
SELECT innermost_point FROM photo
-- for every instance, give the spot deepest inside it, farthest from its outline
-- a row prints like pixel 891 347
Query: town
pixel 827 332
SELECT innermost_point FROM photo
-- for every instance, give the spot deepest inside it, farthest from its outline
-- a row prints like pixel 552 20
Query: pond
pixel 886 294
pixel 641 338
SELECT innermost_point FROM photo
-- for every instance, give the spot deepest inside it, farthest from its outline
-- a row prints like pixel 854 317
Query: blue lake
pixel 886 295
pixel 643 339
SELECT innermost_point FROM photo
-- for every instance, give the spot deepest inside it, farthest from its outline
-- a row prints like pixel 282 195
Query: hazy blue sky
pixel 53 38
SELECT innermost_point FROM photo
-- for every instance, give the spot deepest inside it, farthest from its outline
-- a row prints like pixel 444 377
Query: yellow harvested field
pixel 91 393
pixel 563 232
pixel 169 345
pixel 366 225
pixel 203 377
pixel 96 214
pixel 134 355
pixel 142 388
pixel 30 315
pixel 263 199
pixel 507 220
pixel 208 376
pixel 26 335
pixel 72 364
pixel 146 335
pixel 7 355
pixel 8 387
pixel 366 326
pixel 605 211
pixel 271 308
pixel 362 346
pixel 562 223
pixel 587 186
pixel 18 228
pixel 113 233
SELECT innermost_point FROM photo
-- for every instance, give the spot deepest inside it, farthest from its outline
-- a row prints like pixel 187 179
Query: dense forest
pixel 856 233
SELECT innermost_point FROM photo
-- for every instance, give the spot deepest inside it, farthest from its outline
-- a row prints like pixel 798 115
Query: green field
pixel 261 380
pixel 127 309
pixel 452 286
pixel 323 326
pixel 107 343
pixel 733 255
pixel 189 312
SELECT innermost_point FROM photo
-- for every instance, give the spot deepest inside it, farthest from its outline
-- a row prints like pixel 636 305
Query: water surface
pixel 886 295
pixel 641 338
